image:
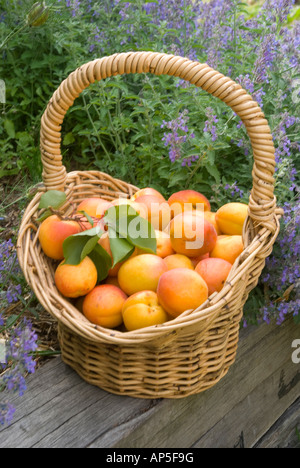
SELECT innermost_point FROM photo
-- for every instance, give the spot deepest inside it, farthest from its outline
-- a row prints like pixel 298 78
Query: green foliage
pixel 126 125
pixel 115 126
pixel 127 230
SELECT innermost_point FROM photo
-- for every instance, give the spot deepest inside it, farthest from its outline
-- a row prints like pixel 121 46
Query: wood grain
pixel 60 410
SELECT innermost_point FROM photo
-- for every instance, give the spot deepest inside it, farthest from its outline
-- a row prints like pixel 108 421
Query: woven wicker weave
pixel 194 351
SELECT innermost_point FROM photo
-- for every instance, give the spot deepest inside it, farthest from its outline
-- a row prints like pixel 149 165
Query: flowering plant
pixel 15 362
pixel 160 131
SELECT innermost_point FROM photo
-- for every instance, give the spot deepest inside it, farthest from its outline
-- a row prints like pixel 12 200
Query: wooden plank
pixel 59 410
pixel 285 433
pixel 250 418
pixel 263 364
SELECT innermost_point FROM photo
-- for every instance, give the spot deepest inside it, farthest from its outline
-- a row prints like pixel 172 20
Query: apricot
pixel 211 218
pixel 53 231
pixel 104 242
pixel 187 200
pixel 178 261
pixel 163 244
pixel 158 211
pixel 141 273
pixel 196 260
pixel 214 271
pixel 76 280
pixel 231 218
pixel 228 248
pixel 94 206
pixel 191 234
pixel 181 289
pixel 148 191
pixel 141 310
pixel 103 306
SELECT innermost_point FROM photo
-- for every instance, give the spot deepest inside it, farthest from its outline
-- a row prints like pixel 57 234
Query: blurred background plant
pixel 149 130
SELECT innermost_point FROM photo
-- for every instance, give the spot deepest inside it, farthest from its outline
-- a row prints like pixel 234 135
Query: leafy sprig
pixel 125 227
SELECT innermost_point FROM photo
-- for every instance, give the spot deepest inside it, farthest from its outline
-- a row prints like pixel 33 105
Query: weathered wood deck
pixel 256 405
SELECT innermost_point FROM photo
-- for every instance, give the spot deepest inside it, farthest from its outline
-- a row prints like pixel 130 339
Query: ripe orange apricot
pixel 191 234
pixel 94 206
pixel 211 218
pixel 53 231
pixel 141 273
pixel 141 310
pixel 187 200
pixel 196 260
pixel 231 218
pixel 228 248
pixel 178 261
pixel 214 271
pixel 158 210
pixel 181 289
pixel 148 191
pixel 163 245
pixel 103 306
pixel 76 280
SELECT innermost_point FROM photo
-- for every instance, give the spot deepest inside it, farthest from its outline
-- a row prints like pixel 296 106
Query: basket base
pixel 171 372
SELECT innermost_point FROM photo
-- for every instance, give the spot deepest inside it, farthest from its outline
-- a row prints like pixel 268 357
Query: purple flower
pixel 277 10
pixel 282 272
pixel 7 412
pixel 177 136
pixel 209 126
pixel 20 345
pixel 9 272
pixel 265 60
pixel 235 191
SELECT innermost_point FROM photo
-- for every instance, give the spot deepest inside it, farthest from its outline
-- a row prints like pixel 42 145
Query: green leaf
pixel 115 216
pixel 211 157
pixel 78 246
pixel 213 171
pixel 120 248
pixel 10 128
pixel 102 261
pixel 8 172
pixel 11 320
pixel 124 220
pixel 89 246
pixel 69 139
pixel 52 198
pixel 73 247
pixel 44 216
pixel 95 231
pixel 142 234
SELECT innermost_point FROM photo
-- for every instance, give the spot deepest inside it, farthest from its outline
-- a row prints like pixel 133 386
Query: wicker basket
pixel 194 351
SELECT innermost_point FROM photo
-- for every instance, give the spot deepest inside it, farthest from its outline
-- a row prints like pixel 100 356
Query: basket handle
pixel 262 203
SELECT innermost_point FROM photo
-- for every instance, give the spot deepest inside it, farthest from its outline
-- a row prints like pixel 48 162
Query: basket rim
pixel 28 251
